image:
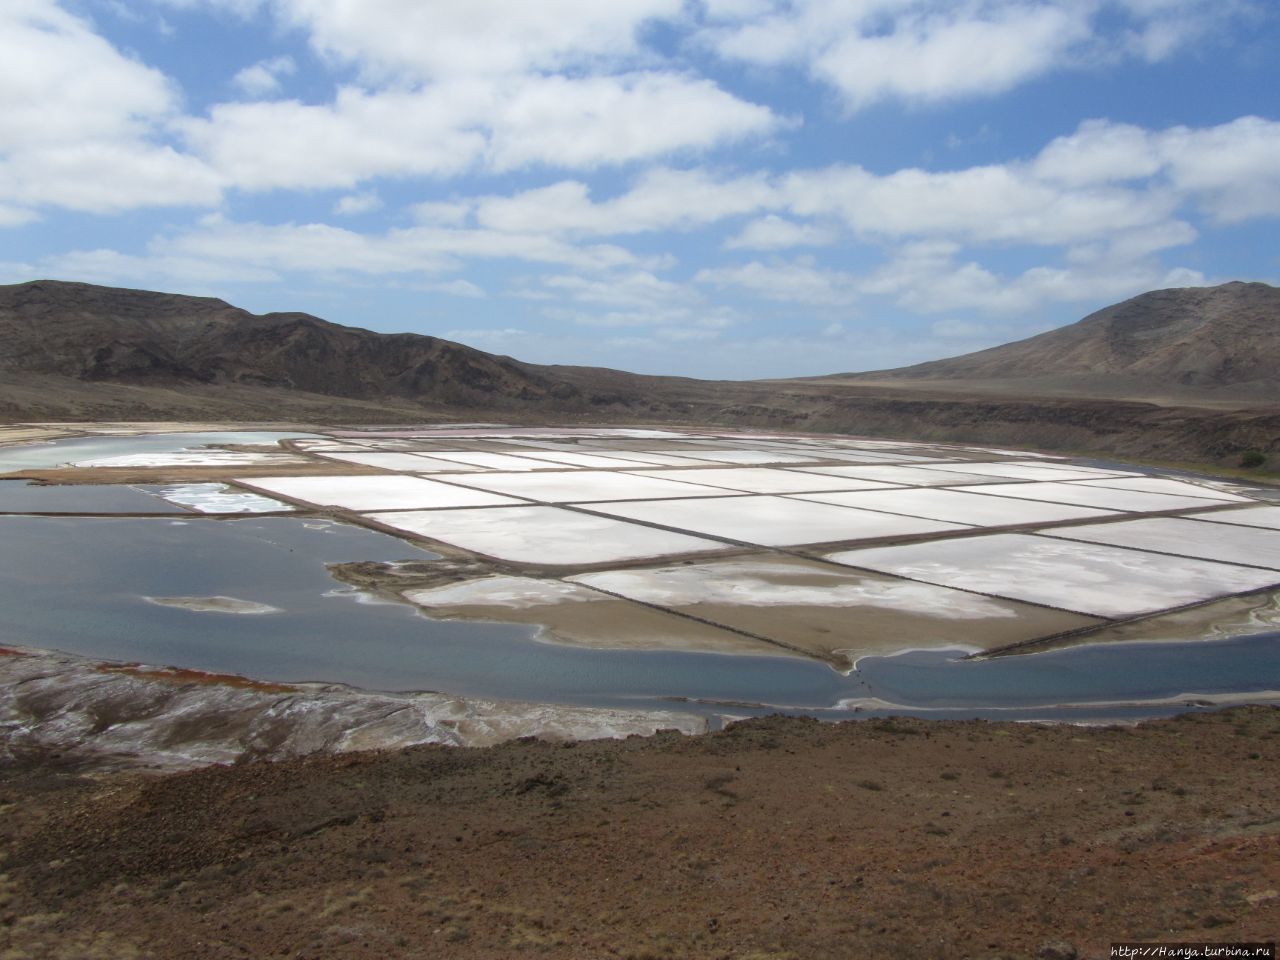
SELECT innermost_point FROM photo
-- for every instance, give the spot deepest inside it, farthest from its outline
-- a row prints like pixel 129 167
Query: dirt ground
pixel 777 838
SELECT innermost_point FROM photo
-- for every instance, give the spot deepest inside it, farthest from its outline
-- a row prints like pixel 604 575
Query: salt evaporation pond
pixel 81 585
pixel 55 453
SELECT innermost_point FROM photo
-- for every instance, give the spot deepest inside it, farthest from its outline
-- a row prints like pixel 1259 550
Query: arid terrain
pixel 1206 393
pixel 773 839
pixel 778 838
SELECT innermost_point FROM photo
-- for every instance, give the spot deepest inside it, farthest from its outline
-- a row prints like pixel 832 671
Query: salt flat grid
pixel 576 459
pixel 789 582
pixel 1164 485
pixel 1251 546
pixel 402 462
pixel 1089 578
pixel 1107 498
pixel 490 461
pixel 901 474
pixel 1030 471
pixel 750 457
pixel 1020 454
pixel 773 521
pixel 761 480
pixel 541 535
pixel 220 498
pixel 375 492
pixel 639 458
pixel 586 486
pixel 956 506
pixel 1268 517
pixel 843 456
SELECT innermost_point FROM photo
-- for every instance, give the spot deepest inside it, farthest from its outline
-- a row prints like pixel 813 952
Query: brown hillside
pixel 1196 341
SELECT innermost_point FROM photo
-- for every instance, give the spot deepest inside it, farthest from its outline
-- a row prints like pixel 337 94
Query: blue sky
pixel 712 188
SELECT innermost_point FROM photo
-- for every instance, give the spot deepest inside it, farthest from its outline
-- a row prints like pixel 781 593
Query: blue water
pixel 56 453
pixel 79 585
pixel 19 496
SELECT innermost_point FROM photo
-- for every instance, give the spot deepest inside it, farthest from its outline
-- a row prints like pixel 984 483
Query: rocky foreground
pixel 777 838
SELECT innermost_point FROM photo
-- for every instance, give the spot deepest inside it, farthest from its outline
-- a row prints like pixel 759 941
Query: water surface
pixel 80 585
pixel 56 453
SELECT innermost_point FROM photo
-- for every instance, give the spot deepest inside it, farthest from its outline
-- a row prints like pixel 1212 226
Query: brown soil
pixel 776 838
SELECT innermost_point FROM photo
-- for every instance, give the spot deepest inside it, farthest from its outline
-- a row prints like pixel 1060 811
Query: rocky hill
pixel 1190 342
pixel 105 335
pixel 74 351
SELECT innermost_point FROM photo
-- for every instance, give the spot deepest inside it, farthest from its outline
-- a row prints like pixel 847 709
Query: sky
pixel 713 188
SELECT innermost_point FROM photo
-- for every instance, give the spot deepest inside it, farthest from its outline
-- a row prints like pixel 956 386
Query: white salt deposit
pixel 380 492
pixel 1106 498
pixel 1032 471
pixel 959 507
pixel 220 498
pixel 585 486
pixel 403 462
pixel 1268 517
pixel 748 456
pixel 544 535
pixel 1188 538
pixel 490 461
pixel 757 583
pixel 517 593
pixel 773 521
pixel 912 476
pixel 763 480
pixel 572 459
pixel 1164 485
pixel 1087 578
pixel 634 458
pixel 194 458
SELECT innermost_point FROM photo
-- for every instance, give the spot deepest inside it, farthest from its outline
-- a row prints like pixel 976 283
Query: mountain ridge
pixel 80 352
pixel 1194 340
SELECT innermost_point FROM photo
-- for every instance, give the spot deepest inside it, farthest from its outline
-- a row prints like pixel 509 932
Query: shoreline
pixel 113 715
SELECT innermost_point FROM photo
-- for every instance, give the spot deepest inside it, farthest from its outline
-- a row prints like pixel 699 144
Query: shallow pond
pixel 56 453
pixel 82 585
pixel 19 496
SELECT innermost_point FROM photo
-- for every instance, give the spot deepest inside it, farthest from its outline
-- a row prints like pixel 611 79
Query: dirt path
pixel 774 839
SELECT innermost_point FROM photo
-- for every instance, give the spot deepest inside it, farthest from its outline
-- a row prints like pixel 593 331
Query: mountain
pixel 1194 342
pixel 97 334
pixel 79 352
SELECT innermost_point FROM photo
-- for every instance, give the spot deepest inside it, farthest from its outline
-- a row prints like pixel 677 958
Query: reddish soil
pixel 778 838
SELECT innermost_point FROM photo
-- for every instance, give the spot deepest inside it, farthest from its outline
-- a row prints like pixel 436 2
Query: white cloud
pixel 457 288
pixel 356 203
pixel 583 123
pixel 930 51
pixel 989 204
pixel 243 250
pixel 966 50
pixel 1099 152
pixel 79 121
pixel 448 128
pixel 481 37
pixel 1230 169
pixel 16 216
pixel 634 289
pixel 799 281
pixel 661 199
pixel 928 277
pixel 187 273
pixel 263 77
pixel 774 233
